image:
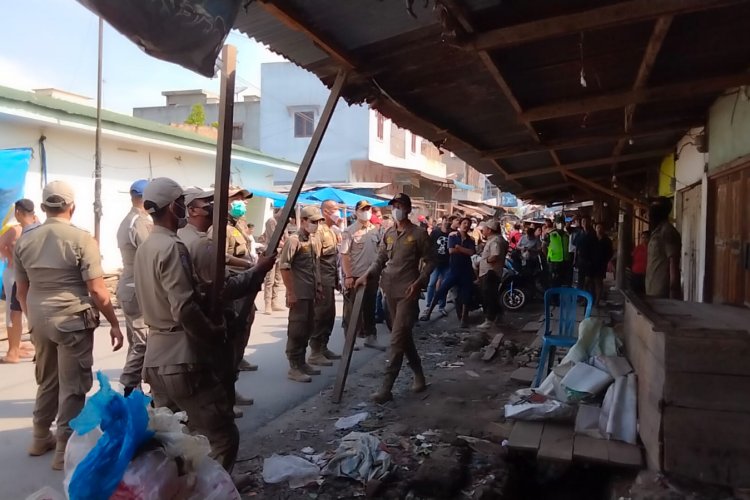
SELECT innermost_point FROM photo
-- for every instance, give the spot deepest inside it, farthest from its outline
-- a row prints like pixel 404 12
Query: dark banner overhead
pixel 187 32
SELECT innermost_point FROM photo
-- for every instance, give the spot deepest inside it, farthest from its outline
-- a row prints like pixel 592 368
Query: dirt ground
pixel 463 400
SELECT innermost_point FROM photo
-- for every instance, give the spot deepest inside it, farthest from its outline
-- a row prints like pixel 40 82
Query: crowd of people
pixel 190 351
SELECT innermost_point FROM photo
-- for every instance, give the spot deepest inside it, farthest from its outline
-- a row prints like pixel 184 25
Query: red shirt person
pixel 639 263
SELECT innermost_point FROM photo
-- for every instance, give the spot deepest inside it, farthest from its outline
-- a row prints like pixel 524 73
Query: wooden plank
pixel 708 446
pixel 491 349
pixel 714 352
pixel 523 375
pixel 707 391
pixel 591 163
pixel 350 340
pixel 588 448
pixel 624 454
pixel 557 442
pixel 221 176
pixel 526 436
pixel 602 17
pixel 614 100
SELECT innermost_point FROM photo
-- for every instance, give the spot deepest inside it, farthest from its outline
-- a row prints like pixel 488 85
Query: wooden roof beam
pixel 590 163
pixel 659 33
pixel 628 12
pixel 552 187
pixel 671 92
pixel 589 140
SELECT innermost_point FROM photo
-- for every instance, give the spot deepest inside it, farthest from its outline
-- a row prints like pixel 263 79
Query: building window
pixel 413 143
pixel 237 131
pixel 381 126
pixel 304 123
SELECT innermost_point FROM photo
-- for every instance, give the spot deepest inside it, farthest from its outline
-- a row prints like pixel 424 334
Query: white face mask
pixel 364 215
pixel 312 227
pixel 399 214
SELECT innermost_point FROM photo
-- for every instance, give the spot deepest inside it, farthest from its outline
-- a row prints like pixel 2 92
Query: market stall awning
pixel 550 99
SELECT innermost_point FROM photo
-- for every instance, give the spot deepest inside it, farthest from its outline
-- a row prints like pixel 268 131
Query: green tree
pixel 197 115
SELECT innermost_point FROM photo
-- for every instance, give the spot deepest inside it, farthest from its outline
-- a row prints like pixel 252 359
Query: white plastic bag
pixel 296 470
pixel 583 381
pixel 619 418
pixel 528 405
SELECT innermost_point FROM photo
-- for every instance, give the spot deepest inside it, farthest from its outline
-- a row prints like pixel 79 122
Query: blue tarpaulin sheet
pixel 14 163
pixel 339 196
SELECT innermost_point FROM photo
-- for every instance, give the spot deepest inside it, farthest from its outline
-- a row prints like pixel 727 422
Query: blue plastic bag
pixel 124 424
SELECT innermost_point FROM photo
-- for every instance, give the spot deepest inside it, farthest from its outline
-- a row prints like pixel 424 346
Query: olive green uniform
pixel 57 259
pixel 273 282
pixel 325 308
pixel 300 255
pixel 399 260
pixel 240 290
pixel 133 231
pixel 183 345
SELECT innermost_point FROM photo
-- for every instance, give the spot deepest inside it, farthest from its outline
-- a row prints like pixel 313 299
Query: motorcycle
pixel 522 280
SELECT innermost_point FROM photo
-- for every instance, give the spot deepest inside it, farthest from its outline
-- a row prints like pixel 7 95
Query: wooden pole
pixel 221 181
pixel 304 168
pixel 624 244
pixel 351 338
pixel 98 141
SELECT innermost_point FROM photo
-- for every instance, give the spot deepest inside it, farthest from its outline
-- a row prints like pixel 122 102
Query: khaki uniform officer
pixel 403 247
pixel 273 282
pixel 61 289
pixel 183 344
pixel 133 230
pixel 359 249
pixel 325 310
pixel 240 289
pixel 301 274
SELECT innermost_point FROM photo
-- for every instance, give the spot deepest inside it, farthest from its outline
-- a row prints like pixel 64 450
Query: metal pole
pixel 624 244
pixel 221 181
pixel 304 168
pixel 98 139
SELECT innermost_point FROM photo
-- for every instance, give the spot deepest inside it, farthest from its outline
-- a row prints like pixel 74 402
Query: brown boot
pixel 295 373
pixel 319 359
pixel 419 384
pixel 42 443
pixel 330 354
pixel 384 394
pixel 309 370
pixel 58 461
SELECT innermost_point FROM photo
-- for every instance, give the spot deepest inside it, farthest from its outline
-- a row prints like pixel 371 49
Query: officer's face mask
pixel 399 214
pixel 364 215
pixel 311 227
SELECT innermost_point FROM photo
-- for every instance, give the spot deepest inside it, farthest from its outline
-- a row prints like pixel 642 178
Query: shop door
pixel 690 218
pixel 731 238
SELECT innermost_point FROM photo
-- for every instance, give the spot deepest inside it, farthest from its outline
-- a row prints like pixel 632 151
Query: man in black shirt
pixel 439 238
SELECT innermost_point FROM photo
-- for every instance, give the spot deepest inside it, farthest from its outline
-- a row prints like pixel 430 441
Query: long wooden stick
pixel 221 181
pixel 351 337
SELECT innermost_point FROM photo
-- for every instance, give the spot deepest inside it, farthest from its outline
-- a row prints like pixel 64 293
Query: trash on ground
pixel 472 373
pixel 308 450
pixel 351 421
pixel 360 456
pixel 618 419
pixel 124 450
pixel 298 471
pixel 446 364
pixel 584 381
pixel 526 404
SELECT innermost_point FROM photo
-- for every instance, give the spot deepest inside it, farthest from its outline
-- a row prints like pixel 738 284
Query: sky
pixel 53 43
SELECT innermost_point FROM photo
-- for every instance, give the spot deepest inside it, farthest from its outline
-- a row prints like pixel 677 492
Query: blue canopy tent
pixel 339 196
pixel 278 198
pixel 14 163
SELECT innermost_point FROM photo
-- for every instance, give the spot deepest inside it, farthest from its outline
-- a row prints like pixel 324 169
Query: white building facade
pixel 131 149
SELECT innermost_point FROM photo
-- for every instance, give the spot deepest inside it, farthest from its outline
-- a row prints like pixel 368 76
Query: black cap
pixel 362 204
pixel 401 198
pixel 25 204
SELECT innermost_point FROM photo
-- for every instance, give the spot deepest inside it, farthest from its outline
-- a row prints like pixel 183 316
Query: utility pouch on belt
pixel 75 322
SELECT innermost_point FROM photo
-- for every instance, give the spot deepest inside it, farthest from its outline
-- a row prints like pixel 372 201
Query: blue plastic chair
pixel 567 328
